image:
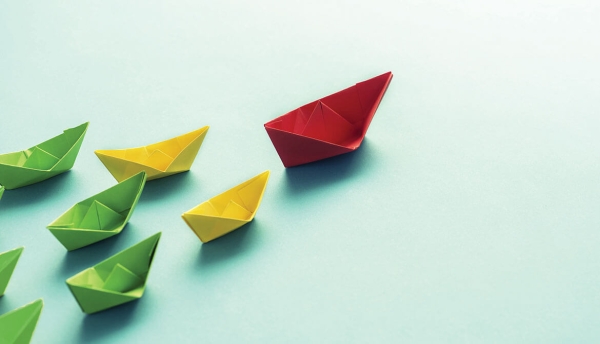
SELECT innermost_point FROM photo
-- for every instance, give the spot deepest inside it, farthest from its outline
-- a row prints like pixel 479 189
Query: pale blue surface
pixel 470 214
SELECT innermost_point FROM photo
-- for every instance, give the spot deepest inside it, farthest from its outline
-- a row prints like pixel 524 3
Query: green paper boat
pixel 100 216
pixel 8 262
pixel 117 280
pixel 42 161
pixel 17 326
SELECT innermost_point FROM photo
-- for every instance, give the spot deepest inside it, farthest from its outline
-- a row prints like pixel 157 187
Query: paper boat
pixel 329 126
pixel 17 326
pixel 227 211
pixel 159 160
pixel 8 262
pixel 100 216
pixel 117 280
pixel 43 161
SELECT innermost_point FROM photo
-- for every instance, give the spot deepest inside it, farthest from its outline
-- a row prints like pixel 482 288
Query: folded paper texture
pixel 116 280
pixel 227 211
pixel 17 326
pixel 43 161
pixel 329 126
pixel 8 262
pixel 158 160
pixel 1 191
pixel 100 216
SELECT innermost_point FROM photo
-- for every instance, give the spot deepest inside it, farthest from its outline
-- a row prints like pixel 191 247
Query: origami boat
pixel 116 280
pixel 42 161
pixel 17 326
pixel 158 160
pixel 100 216
pixel 227 211
pixel 8 262
pixel 329 126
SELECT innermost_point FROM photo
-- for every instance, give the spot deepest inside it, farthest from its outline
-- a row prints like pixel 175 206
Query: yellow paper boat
pixel 227 211
pixel 158 160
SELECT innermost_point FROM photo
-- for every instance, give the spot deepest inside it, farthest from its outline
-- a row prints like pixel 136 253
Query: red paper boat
pixel 329 126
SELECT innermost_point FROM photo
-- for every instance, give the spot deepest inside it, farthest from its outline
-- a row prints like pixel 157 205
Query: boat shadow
pixel 85 257
pixel 7 305
pixel 303 178
pixel 234 244
pixel 159 189
pixel 35 193
pixel 104 324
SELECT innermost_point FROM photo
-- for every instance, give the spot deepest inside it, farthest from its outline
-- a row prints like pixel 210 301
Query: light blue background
pixel 470 214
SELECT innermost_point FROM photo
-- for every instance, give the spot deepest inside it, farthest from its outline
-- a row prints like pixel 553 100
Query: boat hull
pixel 14 176
pixel 329 126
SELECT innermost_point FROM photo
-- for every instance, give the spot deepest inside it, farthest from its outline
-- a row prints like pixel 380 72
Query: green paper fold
pixel 117 280
pixel 8 262
pixel 1 191
pixel 43 161
pixel 17 326
pixel 100 216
